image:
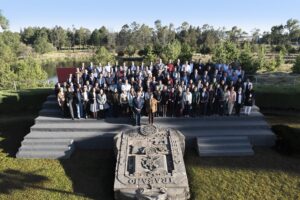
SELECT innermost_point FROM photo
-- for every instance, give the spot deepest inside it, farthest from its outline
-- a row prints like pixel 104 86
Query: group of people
pixel 159 90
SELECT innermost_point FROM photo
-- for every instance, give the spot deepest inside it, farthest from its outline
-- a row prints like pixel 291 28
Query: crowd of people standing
pixel 158 90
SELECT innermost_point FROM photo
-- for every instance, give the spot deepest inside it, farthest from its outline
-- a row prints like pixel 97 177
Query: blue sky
pixel 247 14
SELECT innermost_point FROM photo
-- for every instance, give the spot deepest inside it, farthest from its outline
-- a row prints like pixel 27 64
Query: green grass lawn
pixel 90 174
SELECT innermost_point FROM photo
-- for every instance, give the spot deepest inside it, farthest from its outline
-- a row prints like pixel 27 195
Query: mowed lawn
pixel 90 174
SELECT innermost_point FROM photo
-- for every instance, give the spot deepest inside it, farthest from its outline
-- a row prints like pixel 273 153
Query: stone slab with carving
pixel 150 164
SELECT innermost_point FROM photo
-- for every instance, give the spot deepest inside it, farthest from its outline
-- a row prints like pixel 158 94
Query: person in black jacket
pixel 204 96
pixel 164 100
pixel 249 100
pixel 138 104
pixel 69 99
pixel 78 99
pixel 196 102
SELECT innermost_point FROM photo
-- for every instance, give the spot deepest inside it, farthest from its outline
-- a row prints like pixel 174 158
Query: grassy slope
pixel 89 174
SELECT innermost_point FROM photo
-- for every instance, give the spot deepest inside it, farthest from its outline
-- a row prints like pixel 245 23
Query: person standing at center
pixel 152 108
pixel 138 103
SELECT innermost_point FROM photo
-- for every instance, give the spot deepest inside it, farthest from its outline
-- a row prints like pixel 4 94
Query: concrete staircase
pixel 224 146
pixel 46 148
pixel 55 137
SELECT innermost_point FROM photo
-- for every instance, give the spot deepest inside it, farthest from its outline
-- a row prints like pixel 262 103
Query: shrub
pixel 41 45
pixel 103 56
pixel 279 59
pixel 186 52
pixel 296 66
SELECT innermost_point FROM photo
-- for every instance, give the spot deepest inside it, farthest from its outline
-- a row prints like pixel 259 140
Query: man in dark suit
pixel 69 98
pixel 138 103
pixel 203 101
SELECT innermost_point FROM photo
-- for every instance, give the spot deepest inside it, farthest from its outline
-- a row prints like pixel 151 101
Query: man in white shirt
pixel 126 86
pixel 188 101
pixel 108 67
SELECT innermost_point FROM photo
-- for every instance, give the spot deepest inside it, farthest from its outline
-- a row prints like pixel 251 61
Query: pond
pixel 50 67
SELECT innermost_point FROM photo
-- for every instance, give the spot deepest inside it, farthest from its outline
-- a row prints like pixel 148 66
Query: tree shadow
pixel 11 180
pixel 17 115
pixel 91 172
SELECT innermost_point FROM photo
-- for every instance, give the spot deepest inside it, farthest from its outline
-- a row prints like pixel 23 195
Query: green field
pixel 90 174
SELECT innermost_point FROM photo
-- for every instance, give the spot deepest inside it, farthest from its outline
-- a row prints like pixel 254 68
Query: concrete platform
pixel 52 133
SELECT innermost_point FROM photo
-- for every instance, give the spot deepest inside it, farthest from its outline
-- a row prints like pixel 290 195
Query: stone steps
pixel 46 148
pixel 44 154
pixel 224 146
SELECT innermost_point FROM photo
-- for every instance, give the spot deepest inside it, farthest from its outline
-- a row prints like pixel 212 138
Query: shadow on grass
pixel 18 111
pixel 11 180
pixel 91 173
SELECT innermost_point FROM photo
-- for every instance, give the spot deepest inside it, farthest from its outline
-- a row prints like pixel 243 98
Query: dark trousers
pixel 238 109
pixel 216 107
pixel 115 108
pixel 85 109
pixel 151 117
pixel 137 118
pixel 172 109
pixel 195 109
pixel 203 108
pixel 70 106
pixel 221 107
pixel 210 109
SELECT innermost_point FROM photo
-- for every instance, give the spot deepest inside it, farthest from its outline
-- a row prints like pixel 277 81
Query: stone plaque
pixel 150 164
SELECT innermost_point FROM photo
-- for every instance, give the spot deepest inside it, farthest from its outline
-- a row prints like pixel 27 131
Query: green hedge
pixel 278 96
pixel 24 100
pixel 288 139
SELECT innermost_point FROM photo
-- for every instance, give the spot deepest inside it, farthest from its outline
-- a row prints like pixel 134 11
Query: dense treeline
pixel 164 41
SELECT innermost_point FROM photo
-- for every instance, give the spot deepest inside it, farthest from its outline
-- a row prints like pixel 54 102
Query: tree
pixel 82 36
pixel 232 52
pixel 41 45
pixel 226 52
pixel 123 38
pixel 6 75
pixel 28 35
pixel 208 39
pixel 293 27
pixel 29 68
pixel 219 54
pixel 4 23
pixel 150 56
pixel 296 66
pixel 9 46
pixel 171 51
pixel 102 55
pixel 246 59
pixel 260 61
pixel 279 59
pixel 58 37
pixel 277 35
pixel 235 34
pixel 130 50
pixel 186 52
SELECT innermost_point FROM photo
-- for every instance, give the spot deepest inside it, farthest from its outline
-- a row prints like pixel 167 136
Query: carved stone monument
pixel 150 164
